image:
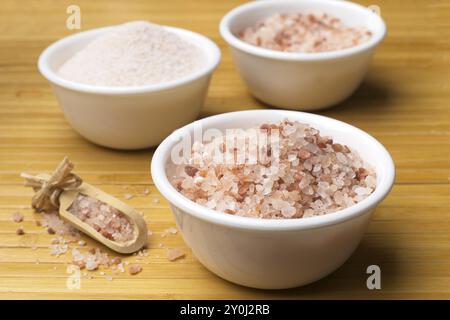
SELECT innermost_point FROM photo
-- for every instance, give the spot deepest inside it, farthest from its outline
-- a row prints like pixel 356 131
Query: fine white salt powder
pixel 133 54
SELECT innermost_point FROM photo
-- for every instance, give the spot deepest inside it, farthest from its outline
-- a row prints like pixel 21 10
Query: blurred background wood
pixel 404 103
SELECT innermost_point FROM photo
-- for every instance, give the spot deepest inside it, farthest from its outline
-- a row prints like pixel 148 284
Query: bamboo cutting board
pixel 404 102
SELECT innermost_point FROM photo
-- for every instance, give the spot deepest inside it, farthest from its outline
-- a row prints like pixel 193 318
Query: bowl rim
pixel 235 42
pixel 207 45
pixel 176 199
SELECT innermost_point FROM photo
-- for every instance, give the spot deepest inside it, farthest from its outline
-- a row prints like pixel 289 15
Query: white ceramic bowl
pixel 301 81
pixel 274 254
pixel 132 117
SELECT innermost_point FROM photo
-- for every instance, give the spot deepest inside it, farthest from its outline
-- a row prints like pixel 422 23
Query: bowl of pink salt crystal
pixel 302 55
pixel 272 199
pixel 129 86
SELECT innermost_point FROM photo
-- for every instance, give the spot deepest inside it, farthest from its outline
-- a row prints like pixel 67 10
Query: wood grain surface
pixel 404 103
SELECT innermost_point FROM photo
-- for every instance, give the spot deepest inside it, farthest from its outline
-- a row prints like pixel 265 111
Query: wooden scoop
pixel 140 227
pixel 58 192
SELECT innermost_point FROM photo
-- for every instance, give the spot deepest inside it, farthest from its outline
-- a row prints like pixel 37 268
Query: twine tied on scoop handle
pixel 48 189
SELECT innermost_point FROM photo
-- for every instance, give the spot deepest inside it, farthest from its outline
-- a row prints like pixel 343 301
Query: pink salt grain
pixel 116 260
pixel 17 217
pixel 174 254
pixel 171 230
pixel 134 269
pixel 304 32
pixel 55 225
pixel 128 196
pixel 312 176
pixel 91 260
pixel 136 53
pixel 105 219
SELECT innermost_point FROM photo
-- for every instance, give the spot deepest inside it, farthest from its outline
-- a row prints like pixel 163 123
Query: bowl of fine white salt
pixel 129 86
pixel 272 199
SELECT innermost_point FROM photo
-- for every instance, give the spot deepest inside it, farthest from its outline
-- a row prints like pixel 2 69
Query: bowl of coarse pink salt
pixel 272 199
pixel 302 54
pixel 129 86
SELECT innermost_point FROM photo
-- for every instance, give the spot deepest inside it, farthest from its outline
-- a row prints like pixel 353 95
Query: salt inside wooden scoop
pixel 89 209
pixel 105 219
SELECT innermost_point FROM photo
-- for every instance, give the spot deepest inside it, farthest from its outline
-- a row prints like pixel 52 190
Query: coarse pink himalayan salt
pixel 313 176
pixel 134 269
pixel 174 254
pixel 55 225
pixel 91 259
pixel 105 219
pixel 304 32
pixel 17 217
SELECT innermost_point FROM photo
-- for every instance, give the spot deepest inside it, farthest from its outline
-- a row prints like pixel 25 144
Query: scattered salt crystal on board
pixel 17 217
pixel 313 175
pixel 171 230
pixel 134 269
pixel 105 219
pixel 174 254
pixel 87 208
pixel 304 32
